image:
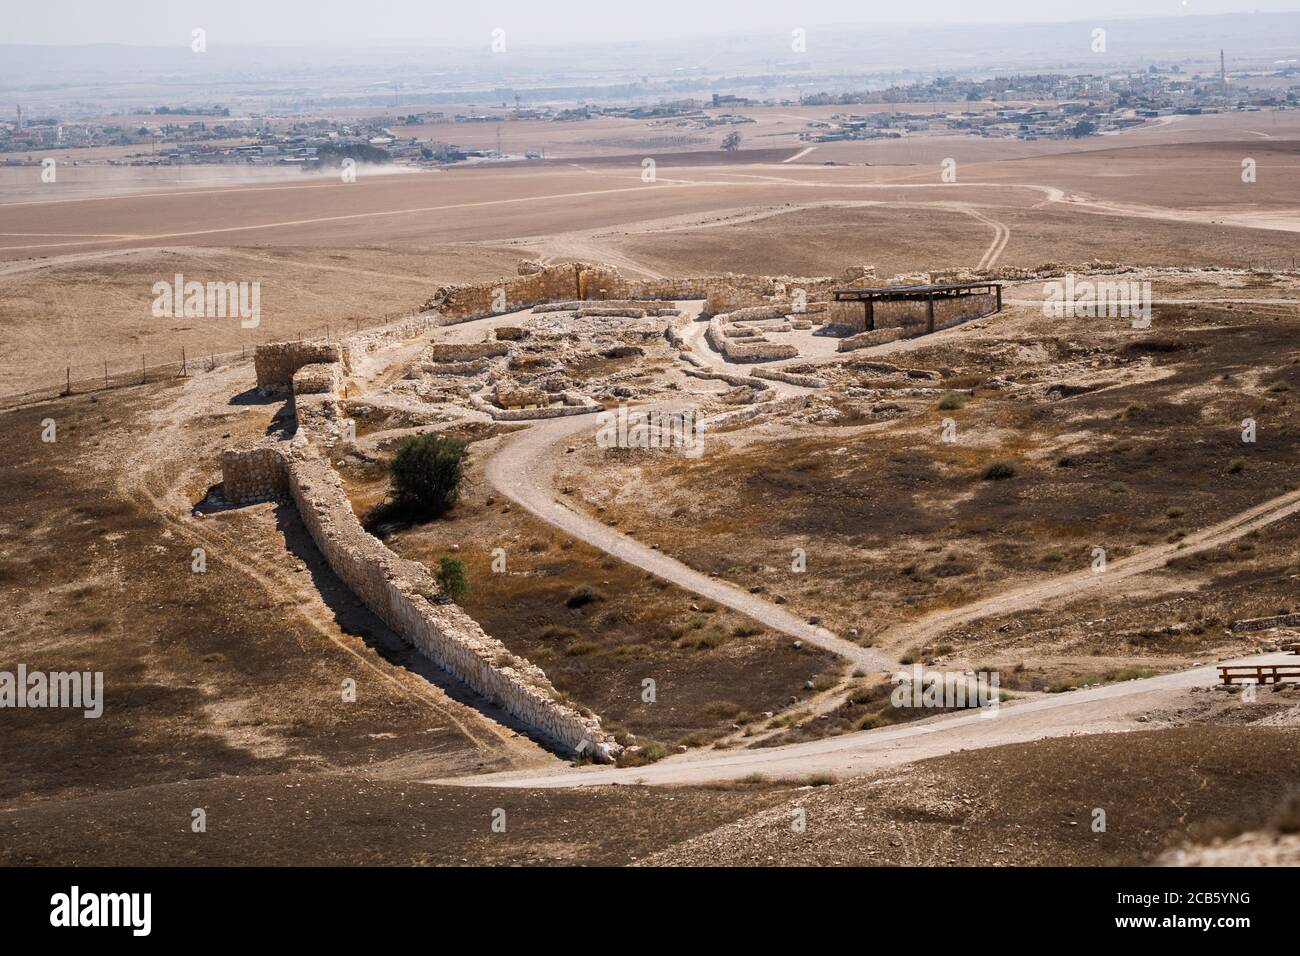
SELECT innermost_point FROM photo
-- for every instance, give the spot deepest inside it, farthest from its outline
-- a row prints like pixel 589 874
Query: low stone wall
pixel 790 378
pixel 649 306
pixel 573 405
pixel 464 352
pixel 475 367
pixel 879 337
pixel 253 474
pixel 755 327
pixel 563 287
pixel 604 312
pixel 276 363
pixel 706 372
pixel 511 395
pixel 731 292
pixel 479 299
pixel 403 594
pixel 757 351
pixel 793 403
pixel 318 378
pixel 1264 623
pixel 606 282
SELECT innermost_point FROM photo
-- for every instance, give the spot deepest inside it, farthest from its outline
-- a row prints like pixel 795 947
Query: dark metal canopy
pixel 921 292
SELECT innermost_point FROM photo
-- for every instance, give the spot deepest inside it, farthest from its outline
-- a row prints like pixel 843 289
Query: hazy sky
pixel 433 22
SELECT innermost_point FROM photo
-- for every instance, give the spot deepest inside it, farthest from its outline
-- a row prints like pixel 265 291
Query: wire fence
pixel 120 372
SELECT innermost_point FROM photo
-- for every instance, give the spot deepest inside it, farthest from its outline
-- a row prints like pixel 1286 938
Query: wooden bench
pixel 1258 673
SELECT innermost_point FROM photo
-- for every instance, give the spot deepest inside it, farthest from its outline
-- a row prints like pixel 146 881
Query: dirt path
pixel 1080 583
pixel 1001 236
pixel 157 467
pixel 523 471
pixel 1108 709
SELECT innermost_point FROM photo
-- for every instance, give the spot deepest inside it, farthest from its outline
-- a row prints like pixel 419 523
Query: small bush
pixel 703 639
pixel 553 633
pixel 1237 466
pixel 952 401
pixel 870 722
pixel 999 470
pixel 583 595
pixel 722 708
pixel 451 578
pixel 580 648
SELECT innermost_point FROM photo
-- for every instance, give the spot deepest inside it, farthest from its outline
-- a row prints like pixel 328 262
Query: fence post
pixel 184 367
pixel 106 373
pixel 68 387
pixel 144 373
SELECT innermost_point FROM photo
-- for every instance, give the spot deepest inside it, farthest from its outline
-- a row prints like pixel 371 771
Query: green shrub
pixel 426 472
pixel 952 401
pixel 451 578
pixel 703 639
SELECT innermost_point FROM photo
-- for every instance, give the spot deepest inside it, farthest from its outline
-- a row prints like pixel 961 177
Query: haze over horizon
pixel 344 23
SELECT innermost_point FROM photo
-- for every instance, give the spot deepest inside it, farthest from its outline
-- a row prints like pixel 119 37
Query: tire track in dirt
pixel 155 477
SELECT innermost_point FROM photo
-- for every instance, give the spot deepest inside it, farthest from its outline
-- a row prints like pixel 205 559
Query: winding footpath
pixel 1111 708
pixel 523 471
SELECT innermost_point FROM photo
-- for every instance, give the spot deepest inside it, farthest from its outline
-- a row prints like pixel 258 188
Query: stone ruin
pixel 400 592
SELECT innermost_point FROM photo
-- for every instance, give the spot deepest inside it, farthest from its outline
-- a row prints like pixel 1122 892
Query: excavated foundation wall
pixel 745 348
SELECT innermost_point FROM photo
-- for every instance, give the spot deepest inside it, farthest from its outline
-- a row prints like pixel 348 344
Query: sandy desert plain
pixel 772 684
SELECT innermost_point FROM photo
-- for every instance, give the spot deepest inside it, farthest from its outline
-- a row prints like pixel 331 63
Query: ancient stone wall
pixel 476 300
pixel 731 292
pixel 867 339
pixel 790 378
pixel 318 378
pixel 574 403
pixel 749 413
pixel 253 474
pixel 276 363
pixel 1264 623
pixel 465 352
pixel 513 395
pixel 406 597
pixel 606 282
pixel 756 350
